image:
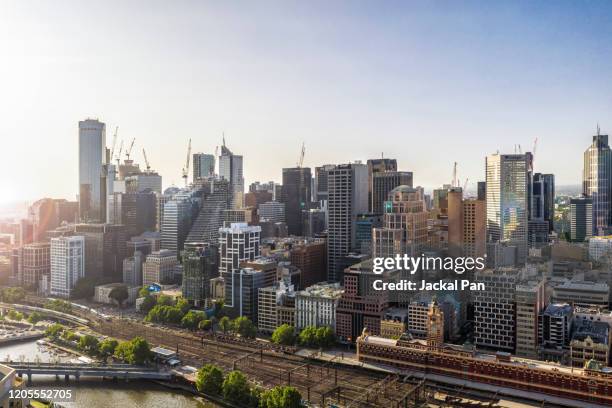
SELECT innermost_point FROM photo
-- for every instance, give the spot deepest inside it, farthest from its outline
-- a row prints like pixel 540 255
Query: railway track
pixel 267 368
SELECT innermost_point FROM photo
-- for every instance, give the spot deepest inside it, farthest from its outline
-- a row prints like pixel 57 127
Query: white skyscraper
pixel 92 175
pixel 237 243
pixel 507 201
pixel 67 264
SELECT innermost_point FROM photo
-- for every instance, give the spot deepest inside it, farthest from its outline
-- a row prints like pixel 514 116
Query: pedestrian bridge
pixel 67 370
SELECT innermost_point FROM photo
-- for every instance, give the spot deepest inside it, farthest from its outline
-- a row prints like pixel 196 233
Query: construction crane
pixel 301 158
pixel 535 146
pixel 146 160
pixel 465 184
pixel 186 168
pixel 119 154
pixel 455 182
pixel 129 151
pixel 112 153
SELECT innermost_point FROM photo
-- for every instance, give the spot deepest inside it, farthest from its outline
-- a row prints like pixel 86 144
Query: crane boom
pixel 144 153
pixel 302 153
pixel 129 151
pixel 186 168
pixel 112 153
pixel 119 154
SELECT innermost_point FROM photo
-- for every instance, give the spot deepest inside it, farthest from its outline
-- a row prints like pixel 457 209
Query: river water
pixel 97 393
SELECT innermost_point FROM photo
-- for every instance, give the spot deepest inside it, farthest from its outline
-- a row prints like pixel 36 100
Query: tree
pixel 84 288
pixel 225 324
pixel 69 335
pixel 144 292
pixel 209 380
pixel 89 344
pixel 183 305
pixel 108 346
pixel 281 397
pixel 164 314
pixel 135 351
pixel 119 294
pixel 218 307
pixel 54 331
pixel 308 336
pixel 15 315
pixel 35 317
pixel 284 334
pixel 244 327
pixel 205 324
pixel 12 295
pixel 165 300
pixel 148 303
pixel 192 319
pixel 236 389
pixel 59 306
pixel 325 337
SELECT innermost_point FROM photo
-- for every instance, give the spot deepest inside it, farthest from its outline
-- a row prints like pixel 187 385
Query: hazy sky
pixel 427 83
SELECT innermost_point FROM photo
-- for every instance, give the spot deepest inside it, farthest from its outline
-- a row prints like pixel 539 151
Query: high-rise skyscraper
pixel 404 229
pixel 383 183
pixel 237 243
pixel 507 201
pixel 581 222
pixel 200 265
pixel 230 169
pixel 296 196
pixel 321 189
pixel 348 197
pixel 597 181
pixel 67 264
pixel 92 178
pixel 379 166
pixel 203 165
pixel 176 222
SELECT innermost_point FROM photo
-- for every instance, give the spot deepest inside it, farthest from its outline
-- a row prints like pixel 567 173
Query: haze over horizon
pixel 427 83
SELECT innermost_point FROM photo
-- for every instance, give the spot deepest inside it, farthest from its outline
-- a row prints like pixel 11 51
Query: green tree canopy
pixel 119 294
pixel 209 380
pixel 59 306
pixel 165 300
pixel 15 315
pixel 84 288
pixel 236 389
pixel 164 314
pixel 135 351
pixel 148 303
pixel 325 337
pixel 205 324
pixel 144 292
pixel 183 305
pixel 12 295
pixel 281 397
pixel 54 331
pixel 192 318
pixel 225 324
pixel 35 317
pixel 108 346
pixel 244 327
pixel 284 334
pixel 89 344
pixel 308 336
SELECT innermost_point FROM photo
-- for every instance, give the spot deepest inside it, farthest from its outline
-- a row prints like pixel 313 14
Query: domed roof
pixel 403 189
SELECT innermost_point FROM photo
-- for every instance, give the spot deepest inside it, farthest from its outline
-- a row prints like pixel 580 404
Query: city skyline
pixel 350 83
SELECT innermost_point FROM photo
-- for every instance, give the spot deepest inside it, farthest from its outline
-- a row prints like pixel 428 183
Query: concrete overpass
pixel 45 312
pixel 115 371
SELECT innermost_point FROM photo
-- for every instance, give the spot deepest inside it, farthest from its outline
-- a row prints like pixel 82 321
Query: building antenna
pixel 223 133
pixel 597 128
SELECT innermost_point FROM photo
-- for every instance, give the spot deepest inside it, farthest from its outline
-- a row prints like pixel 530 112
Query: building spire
pixel 598 129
